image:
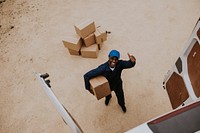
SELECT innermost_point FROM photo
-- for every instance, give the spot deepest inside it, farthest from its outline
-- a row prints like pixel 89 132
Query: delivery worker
pixel 112 70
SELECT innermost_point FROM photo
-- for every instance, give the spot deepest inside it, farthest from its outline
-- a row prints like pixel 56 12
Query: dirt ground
pixel 31 34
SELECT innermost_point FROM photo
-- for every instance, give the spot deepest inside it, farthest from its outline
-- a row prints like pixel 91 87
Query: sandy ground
pixel 31 34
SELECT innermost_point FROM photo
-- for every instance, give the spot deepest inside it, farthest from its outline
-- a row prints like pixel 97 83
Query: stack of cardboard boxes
pixel 87 41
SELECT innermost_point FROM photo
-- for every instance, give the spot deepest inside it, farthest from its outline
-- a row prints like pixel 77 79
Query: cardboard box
pixel 100 87
pixel 85 28
pixel 73 42
pixel 89 40
pixel 100 35
pixel 90 52
pixel 74 52
pixel 103 33
pixel 100 45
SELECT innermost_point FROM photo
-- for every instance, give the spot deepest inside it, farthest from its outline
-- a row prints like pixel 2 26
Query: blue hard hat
pixel 114 53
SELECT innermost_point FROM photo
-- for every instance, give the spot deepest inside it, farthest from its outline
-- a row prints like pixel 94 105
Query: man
pixel 112 70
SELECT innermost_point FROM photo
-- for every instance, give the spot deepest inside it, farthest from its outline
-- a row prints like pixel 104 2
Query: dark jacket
pixel 113 77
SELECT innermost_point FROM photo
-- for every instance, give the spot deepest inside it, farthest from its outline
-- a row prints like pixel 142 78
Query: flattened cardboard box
pixel 73 42
pixel 85 28
pixel 90 52
pixel 89 40
pixel 100 87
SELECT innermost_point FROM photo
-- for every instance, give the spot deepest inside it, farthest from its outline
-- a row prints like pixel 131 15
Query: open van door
pixel 182 82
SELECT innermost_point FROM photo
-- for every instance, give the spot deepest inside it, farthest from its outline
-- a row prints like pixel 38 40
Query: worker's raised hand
pixel 131 57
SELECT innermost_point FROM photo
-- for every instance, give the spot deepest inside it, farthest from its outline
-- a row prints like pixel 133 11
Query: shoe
pixel 123 109
pixel 107 102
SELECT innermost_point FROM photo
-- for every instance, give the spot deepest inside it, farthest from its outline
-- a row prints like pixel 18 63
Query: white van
pixel 182 83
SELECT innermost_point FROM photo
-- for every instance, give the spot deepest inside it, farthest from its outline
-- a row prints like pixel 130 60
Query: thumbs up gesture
pixel 131 57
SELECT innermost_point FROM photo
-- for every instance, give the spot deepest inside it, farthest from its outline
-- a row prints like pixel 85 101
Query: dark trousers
pixel 120 95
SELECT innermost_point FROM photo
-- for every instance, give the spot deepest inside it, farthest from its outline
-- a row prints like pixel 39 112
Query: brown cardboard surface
pixel 100 45
pixel 100 35
pixel 89 40
pixel 83 29
pixel 73 42
pixel 74 52
pixel 90 51
pixel 100 87
pixel 102 31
